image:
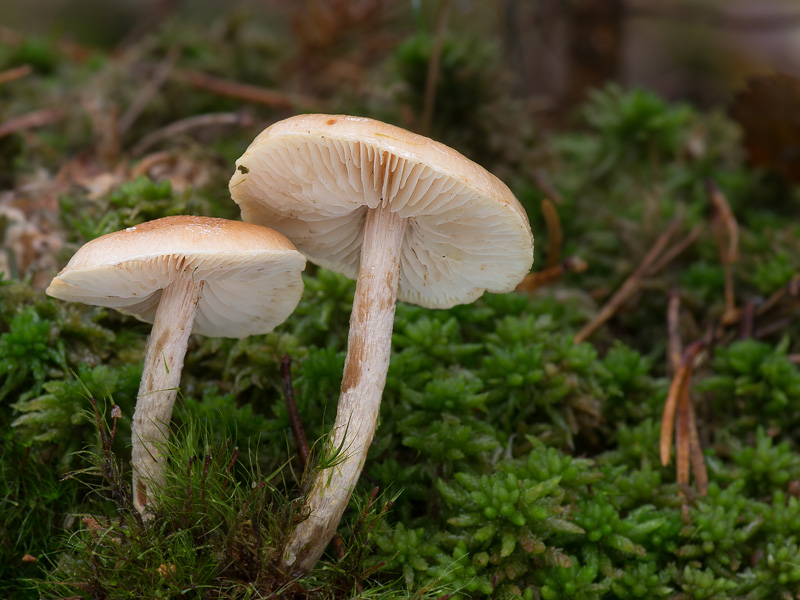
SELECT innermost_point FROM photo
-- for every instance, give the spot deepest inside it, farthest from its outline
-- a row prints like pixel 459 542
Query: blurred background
pixel 700 50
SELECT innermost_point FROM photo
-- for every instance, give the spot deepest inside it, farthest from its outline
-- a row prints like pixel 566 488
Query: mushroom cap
pixel 251 273
pixel 313 177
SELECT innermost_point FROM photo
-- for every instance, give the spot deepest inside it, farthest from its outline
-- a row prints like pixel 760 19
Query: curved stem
pixel 368 349
pixel 161 377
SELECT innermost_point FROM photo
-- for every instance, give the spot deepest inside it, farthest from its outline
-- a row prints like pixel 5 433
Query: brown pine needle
pixel 698 462
pixel 675 250
pixel 432 77
pixel 534 281
pixel 726 231
pixel 747 319
pixel 542 181
pixel 682 430
pixel 16 73
pixel 678 389
pixel 668 416
pixel 631 284
pixel 554 233
pixel 183 126
pixel 674 343
pixel 291 409
pixel 249 93
pixel 147 92
pixel 31 120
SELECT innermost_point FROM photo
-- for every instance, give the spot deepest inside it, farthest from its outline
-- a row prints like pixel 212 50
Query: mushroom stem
pixel 163 363
pixel 368 350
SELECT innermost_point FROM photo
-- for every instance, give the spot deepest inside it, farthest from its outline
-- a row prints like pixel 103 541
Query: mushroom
pixel 413 220
pixel 211 276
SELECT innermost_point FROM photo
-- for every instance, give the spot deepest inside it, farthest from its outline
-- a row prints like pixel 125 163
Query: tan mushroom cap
pixel 312 177
pixel 251 273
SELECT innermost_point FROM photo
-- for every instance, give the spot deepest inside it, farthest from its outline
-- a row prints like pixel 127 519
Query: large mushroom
pixel 211 276
pixel 413 220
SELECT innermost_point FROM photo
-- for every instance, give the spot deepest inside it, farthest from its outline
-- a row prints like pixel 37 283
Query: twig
pixel 184 125
pixel 432 77
pixel 554 233
pixel 726 231
pixel 543 183
pixel 746 320
pixel 16 73
pixel 674 344
pixel 291 409
pixel 248 93
pixel 698 462
pixel 675 251
pixel 677 391
pixel 146 94
pixel 775 326
pixel 630 286
pixel 792 289
pixel 682 429
pixel 30 120
pixel 533 281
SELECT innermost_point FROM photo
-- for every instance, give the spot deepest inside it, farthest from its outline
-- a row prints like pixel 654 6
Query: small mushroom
pixel 409 217
pixel 211 276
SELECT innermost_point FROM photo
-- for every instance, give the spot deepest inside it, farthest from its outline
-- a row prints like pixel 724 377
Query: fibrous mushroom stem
pixel 368 350
pixel 163 363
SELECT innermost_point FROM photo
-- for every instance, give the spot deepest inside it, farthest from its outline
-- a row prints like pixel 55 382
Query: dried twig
pixel 776 326
pixel 554 233
pixel 432 77
pixel 676 250
pixel 630 286
pixel 543 183
pixel 185 125
pixel 726 231
pixel 674 343
pixel 533 281
pixel 747 319
pixel 678 389
pixel 16 73
pixel 248 93
pixel 146 94
pixel 30 120
pixel 291 409
pixel 697 459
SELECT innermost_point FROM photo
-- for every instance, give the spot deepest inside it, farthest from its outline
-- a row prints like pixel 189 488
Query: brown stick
pixel 679 386
pixel 682 429
pixel 16 73
pixel 698 462
pixel 147 92
pixel 674 344
pixel 668 416
pixel 533 281
pixel 775 326
pixel 248 93
pixel 554 233
pixel 31 120
pixel 630 286
pixel 675 251
pixel 291 408
pixel 543 183
pixel 432 77
pixel 747 319
pixel 726 231
pixel 187 124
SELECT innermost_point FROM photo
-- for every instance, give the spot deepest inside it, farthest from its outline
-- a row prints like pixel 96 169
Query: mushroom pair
pixel 212 276
pixel 410 219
